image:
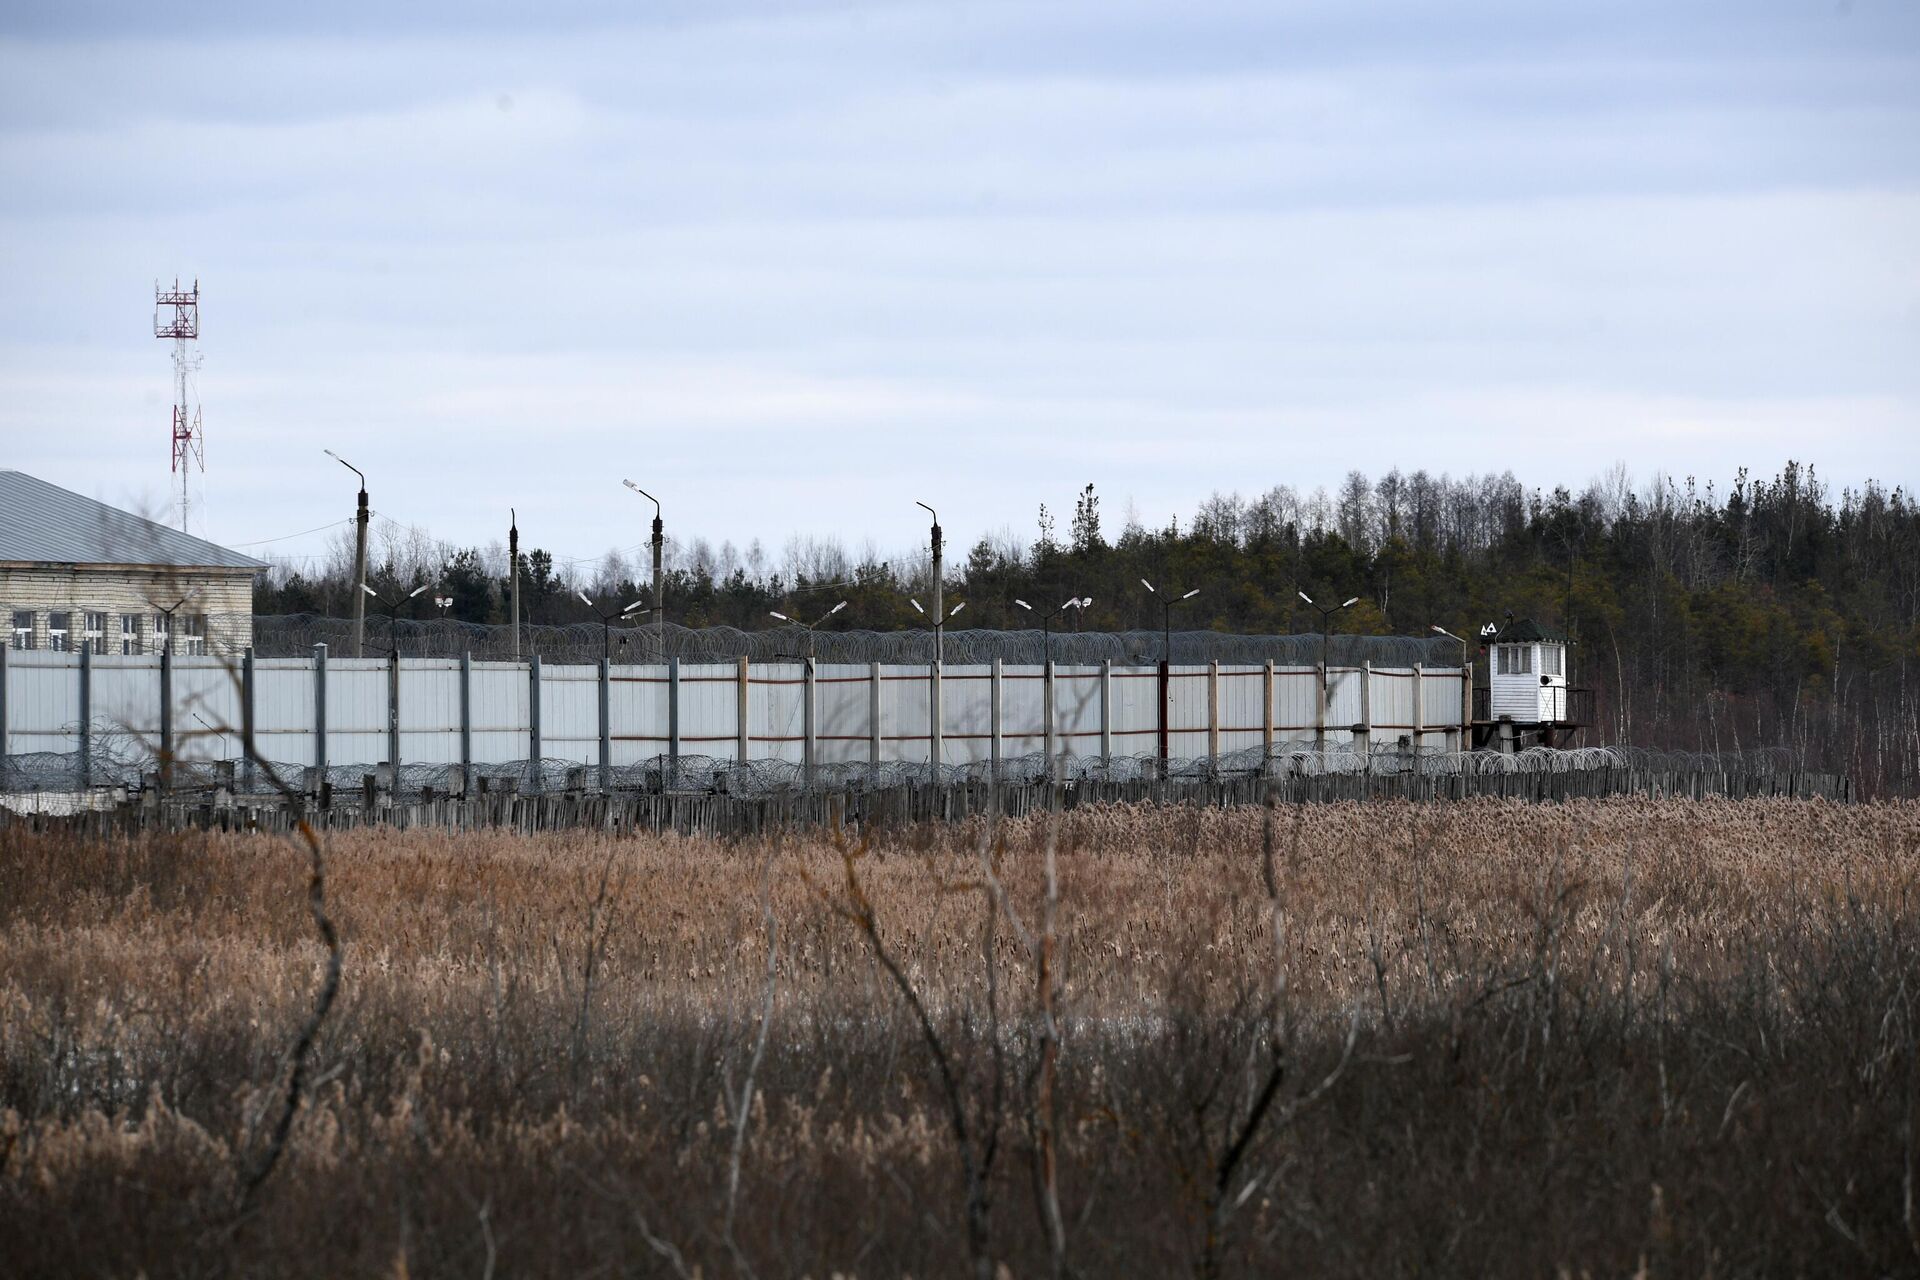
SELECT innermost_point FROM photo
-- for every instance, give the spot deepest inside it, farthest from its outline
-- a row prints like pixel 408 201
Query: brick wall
pixel 225 598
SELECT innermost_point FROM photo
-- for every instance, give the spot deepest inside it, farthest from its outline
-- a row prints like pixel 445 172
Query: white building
pixel 78 573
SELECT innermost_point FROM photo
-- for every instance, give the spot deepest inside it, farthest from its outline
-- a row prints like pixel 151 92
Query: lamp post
pixel 359 555
pixel 607 620
pixel 166 688
pixel 1166 659
pixel 1466 685
pixel 1046 622
pixel 1166 617
pixel 1326 627
pixel 393 611
pixel 659 541
pixel 938 584
pixel 939 623
pixel 807 626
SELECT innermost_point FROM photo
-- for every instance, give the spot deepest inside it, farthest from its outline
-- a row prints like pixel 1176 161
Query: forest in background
pixel 1778 612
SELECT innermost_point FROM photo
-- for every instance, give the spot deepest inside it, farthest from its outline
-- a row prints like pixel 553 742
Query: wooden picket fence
pixel 733 817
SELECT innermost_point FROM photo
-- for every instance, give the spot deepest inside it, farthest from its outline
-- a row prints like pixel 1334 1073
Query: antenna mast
pixel 176 315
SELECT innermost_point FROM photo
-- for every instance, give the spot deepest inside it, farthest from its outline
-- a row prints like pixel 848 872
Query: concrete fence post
pixel 1419 705
pixel 934 726
pixel 995 748
pixel 1213 710
pixel 86 715
pixel 673 717
pixel 319 718
pixel 806 720
pixel 1266 715
pixel 1320 709
pixel 466 722
pixel 249 704
pixel 1046 713
pixel 393 715
pixel 740 704
pixel 873 717
pixel 166 719
pixel 605 701
pixel 1363 738
pixel 6 642
pixel 534 748
pixel 1106 713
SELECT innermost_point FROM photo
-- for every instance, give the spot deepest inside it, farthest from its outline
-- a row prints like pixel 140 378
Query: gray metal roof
pixel 43 523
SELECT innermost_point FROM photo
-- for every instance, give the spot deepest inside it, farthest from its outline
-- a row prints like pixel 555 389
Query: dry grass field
pixel 1608 1038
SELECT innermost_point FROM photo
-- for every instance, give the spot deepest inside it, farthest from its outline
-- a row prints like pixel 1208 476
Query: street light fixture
pixel 359 554
pixel 607 620
pixel 393 611
pixel 167 611
pixel 1046 622
pixel 1166 618
pixel 939 624
pixel 807 626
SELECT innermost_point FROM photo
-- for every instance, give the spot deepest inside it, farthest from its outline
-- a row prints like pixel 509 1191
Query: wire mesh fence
pixel 294 635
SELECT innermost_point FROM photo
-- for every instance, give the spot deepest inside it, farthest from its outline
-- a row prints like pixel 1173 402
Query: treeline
pixel 1776 613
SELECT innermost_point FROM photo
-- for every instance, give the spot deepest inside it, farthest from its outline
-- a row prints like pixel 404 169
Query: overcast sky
pixel 794 266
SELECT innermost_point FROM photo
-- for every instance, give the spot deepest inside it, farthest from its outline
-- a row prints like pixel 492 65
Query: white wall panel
pixel 1241 690
pixel 637 719
pixel 500 692
pixel 966 719
pixel 905 710
pixel 429 711
pixel 43 701
pixel 207 719
pixel 709 710
pixel 1136 711
pixel 570 713
pixel 1076 711
pixel 283 712
pixel 776 696
pixel 1023 726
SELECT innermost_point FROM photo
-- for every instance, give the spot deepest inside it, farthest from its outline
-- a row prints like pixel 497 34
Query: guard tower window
pixel 1552 660
pixel 1515 659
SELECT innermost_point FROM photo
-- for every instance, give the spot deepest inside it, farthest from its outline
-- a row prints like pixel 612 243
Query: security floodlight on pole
pixel 938 574
pixel 1166 617
pixel 1326 626
pixel 659 541
pixel 359 554
pixel 1166 660
pixel 1466 687
pixel 167 611
pixel 607 620
pixel 807 626
pixel 1046 621
pixel 393 611
pixel 939 623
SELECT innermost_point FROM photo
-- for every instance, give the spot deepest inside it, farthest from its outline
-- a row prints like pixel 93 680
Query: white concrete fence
pixel 319 712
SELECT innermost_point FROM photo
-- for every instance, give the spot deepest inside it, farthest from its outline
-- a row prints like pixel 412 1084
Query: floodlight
pixel 837 608
pixel 1196 591
pixel 1354 601
pixel 1147 585
pixel 957 608
pixel 370 591
pixel 1024 605
pixel 915 604
pixel 1304 596
pixel 777 614
pixel 583 599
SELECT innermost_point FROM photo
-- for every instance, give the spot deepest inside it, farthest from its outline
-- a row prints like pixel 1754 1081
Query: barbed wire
pixel 294 635
pixel 116 763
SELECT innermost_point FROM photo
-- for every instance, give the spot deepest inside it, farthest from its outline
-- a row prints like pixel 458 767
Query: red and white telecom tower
pixel 176 315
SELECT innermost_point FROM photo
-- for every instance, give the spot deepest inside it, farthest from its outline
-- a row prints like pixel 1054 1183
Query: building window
pixel 23 628
pixel 1552 660
pixel 60 632
pixel 96 640
pixel 158 637
pixel 193 633
pixel 1516 659
pixel 129 634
